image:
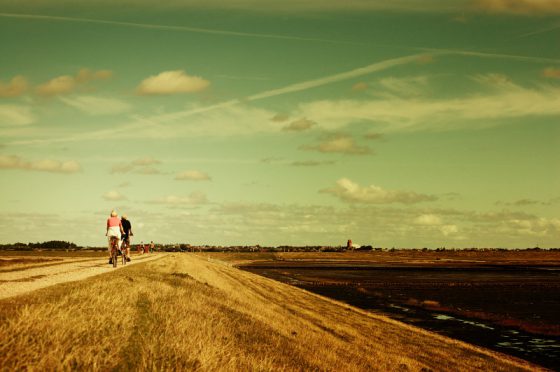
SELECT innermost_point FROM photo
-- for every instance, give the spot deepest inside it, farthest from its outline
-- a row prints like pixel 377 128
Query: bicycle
pixel 114 249
pixel 124 249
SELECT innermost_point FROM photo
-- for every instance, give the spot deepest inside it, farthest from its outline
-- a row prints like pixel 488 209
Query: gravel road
pixel 20 281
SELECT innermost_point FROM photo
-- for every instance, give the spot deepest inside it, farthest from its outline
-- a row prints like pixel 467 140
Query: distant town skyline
pixel 394 124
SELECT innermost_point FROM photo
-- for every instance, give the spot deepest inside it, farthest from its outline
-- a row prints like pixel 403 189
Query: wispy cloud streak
pixel 151 122
pixel 542 30
pixel 302 86
pixel 170 28
pixel 474 53
pixel 375 67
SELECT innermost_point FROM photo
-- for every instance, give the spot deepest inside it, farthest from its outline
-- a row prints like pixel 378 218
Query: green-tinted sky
pixel 404 123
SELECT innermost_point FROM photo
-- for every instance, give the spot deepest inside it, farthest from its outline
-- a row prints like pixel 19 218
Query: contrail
pixel 297 87
pixel 172 28
pixel 474 53
pixel 379 66
pixel 305 85
pixel 509 56
pixel 541 31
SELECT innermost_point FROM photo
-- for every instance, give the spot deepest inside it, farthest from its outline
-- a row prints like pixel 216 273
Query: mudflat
pixel 506 301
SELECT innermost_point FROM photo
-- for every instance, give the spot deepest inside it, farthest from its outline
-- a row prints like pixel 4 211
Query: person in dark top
pixel 127 227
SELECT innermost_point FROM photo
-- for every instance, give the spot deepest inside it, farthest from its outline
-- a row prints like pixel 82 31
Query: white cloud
pixel 496 81
pixel 193 175
pixel 141 166
pixel 534 226
pixel 113 196
pixel 473 111
pixel 428 220
pixel 433 222
pixel 349 191
pixel 44 165
pixel 405 87
pixel 14 115
pixel 97 105
pixel 85 75
pixel 339 143
pixel 147 160
pixel 58 85
pixel 14 88
pixel 299 125
pixel 229 120
pixel 67 84
pixel 252 223
pixel 449 229
pixel 194 198
pixel 172 82
pixel 226 118
pixel 147 170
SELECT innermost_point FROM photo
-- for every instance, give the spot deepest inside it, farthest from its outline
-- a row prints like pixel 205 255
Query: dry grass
pixel 22 260
pixel 183 312
pixel 54 253
pixel 24 263
pixel 458 258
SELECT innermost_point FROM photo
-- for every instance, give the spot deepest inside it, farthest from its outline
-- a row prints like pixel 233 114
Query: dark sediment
pixel 511 309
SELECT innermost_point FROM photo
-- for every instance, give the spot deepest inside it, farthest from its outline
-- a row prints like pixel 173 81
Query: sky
pixel 409 123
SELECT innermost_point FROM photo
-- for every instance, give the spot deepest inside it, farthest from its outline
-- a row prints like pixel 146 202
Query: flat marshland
pixel 504 300
pixel 188 312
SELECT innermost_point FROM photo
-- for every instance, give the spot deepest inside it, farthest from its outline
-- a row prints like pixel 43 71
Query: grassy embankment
pixel 184 312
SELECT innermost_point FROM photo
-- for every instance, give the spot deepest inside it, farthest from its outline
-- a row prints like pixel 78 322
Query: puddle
pixel 443 317
pixel 398 307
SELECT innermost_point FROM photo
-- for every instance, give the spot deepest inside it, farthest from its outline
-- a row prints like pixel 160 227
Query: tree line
pixel 51 244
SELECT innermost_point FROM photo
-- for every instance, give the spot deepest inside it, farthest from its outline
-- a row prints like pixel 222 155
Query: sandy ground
pixel 20 281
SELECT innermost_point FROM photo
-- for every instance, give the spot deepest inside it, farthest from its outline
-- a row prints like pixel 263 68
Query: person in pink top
pixel 114 228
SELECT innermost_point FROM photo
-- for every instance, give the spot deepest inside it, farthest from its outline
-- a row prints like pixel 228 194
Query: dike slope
pixel 185 312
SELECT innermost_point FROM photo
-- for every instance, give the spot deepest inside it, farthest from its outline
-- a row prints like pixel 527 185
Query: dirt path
pixel 18 282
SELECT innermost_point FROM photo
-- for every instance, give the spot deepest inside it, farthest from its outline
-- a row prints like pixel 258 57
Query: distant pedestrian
pixel 152 247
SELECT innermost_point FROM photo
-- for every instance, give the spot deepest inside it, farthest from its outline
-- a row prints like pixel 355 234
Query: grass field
pixel 400 257
pixel 184 312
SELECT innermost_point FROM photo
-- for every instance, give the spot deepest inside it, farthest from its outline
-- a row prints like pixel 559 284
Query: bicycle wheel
pixel 114 253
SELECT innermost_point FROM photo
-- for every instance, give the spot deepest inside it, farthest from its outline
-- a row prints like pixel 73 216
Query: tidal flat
pixel 501 301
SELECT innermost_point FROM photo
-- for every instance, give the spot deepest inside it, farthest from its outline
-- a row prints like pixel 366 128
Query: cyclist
pixel 114 228
pixel 127 228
